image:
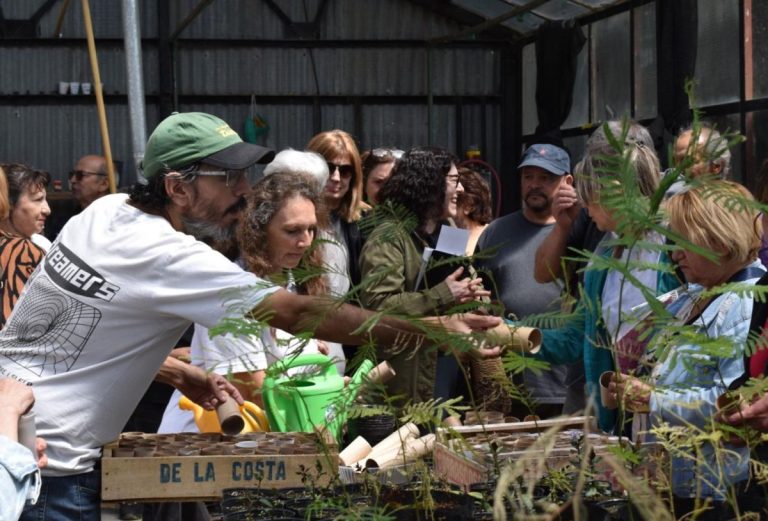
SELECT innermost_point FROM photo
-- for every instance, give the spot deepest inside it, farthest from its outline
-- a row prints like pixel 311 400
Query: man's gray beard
pixel 206 231
pixel 540 209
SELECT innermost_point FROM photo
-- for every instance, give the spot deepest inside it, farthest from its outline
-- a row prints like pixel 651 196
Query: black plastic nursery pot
pixel 262 513
pixel 410 505
pixel 616 509
pixel 373 428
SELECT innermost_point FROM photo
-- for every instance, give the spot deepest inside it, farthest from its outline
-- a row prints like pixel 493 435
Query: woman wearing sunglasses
pixel 343 198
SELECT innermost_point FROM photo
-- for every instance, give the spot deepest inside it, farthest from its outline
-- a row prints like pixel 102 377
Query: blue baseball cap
pixel 553 159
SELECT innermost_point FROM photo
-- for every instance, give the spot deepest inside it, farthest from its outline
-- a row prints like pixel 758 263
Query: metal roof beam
pixel 199 8
pixel 493 22
pixel 464 17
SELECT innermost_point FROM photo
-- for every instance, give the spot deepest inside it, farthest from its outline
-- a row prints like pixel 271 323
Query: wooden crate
pixel 181 478
pixel 464 471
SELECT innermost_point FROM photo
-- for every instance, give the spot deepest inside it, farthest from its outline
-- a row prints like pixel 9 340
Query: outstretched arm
pixel 335 322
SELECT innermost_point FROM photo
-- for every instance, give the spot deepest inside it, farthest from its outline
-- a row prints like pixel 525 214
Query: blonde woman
pixel 687 378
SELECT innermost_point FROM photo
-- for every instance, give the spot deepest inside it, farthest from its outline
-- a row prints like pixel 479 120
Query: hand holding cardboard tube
pixel 518 338
pixel 229 417
pixel 630 391
pixel 735 409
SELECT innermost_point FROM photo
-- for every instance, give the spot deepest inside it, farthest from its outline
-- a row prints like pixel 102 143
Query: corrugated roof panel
pixel 611 54
pixel 485 8
pixel 383 19
pixel 524 23
pixel 527 22
pixel 473 116
pixel 554 9
pixel 530 117
pixel 53 138
pixel 233 19
pixel 32 70
pixel 342 20
pixel 346 72
pixel 106 18
pixel 290 125
pixel 405 126
pixel 339 116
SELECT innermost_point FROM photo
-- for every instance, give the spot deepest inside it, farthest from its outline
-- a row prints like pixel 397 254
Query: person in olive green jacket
pixel 424 185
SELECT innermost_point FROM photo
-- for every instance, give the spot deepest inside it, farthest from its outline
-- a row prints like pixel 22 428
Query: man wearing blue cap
pixel 510 244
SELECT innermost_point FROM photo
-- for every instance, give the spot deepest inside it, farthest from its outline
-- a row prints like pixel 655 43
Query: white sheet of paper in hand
pixel 452 240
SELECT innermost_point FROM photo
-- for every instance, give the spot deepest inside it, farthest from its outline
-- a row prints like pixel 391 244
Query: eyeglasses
pixel 78 175
pixel 452 179
pixel 385 153
pixel 233 177
pixel 345 171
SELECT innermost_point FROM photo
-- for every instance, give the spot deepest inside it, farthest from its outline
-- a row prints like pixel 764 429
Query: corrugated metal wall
pixel 372 79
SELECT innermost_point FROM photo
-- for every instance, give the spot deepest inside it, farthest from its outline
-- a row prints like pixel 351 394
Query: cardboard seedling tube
pixel 382 458
pixel 382 373
pixel 229 417
pixel 607 398
pixel 526 339
pixel 412 450
pixel 729 402
pixel 355 451
pixel 395 440
pixel 419 447
pixel 518 338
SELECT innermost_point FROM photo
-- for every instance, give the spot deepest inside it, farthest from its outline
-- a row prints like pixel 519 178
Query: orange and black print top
pixel 18 259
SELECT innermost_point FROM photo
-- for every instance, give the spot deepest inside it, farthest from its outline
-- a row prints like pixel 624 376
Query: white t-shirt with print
pixel 100 314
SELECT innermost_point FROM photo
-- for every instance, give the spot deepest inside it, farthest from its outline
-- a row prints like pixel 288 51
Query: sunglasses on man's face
pixel 231 177
pixel 345 171
pixel 78 175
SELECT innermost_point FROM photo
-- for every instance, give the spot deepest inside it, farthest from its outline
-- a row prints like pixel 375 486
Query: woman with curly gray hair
pixel 277 229
pixel 276 233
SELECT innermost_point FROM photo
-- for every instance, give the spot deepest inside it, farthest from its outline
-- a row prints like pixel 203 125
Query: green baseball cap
pixel 183 139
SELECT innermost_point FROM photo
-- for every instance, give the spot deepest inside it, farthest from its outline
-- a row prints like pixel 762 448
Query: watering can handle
pixel 207 421
pixel 328 367
pixel 253 412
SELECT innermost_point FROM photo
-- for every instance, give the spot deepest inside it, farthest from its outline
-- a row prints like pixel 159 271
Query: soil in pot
pixel 446 506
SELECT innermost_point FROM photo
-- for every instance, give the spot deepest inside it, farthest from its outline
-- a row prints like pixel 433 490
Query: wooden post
pixel 99 96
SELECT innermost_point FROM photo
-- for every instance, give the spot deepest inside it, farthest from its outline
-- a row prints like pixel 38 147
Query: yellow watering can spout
pixel 207 421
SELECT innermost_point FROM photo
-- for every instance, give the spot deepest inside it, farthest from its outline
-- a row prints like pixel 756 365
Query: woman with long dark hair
pixel 419 196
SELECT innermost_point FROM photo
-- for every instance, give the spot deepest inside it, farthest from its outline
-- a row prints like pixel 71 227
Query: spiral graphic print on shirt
pixel 48 329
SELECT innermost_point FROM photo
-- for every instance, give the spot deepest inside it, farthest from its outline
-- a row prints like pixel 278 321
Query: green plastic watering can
pixel 302 402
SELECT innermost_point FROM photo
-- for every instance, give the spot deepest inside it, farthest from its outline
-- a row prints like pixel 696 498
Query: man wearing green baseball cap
pixel 200 163
pixel 124 280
